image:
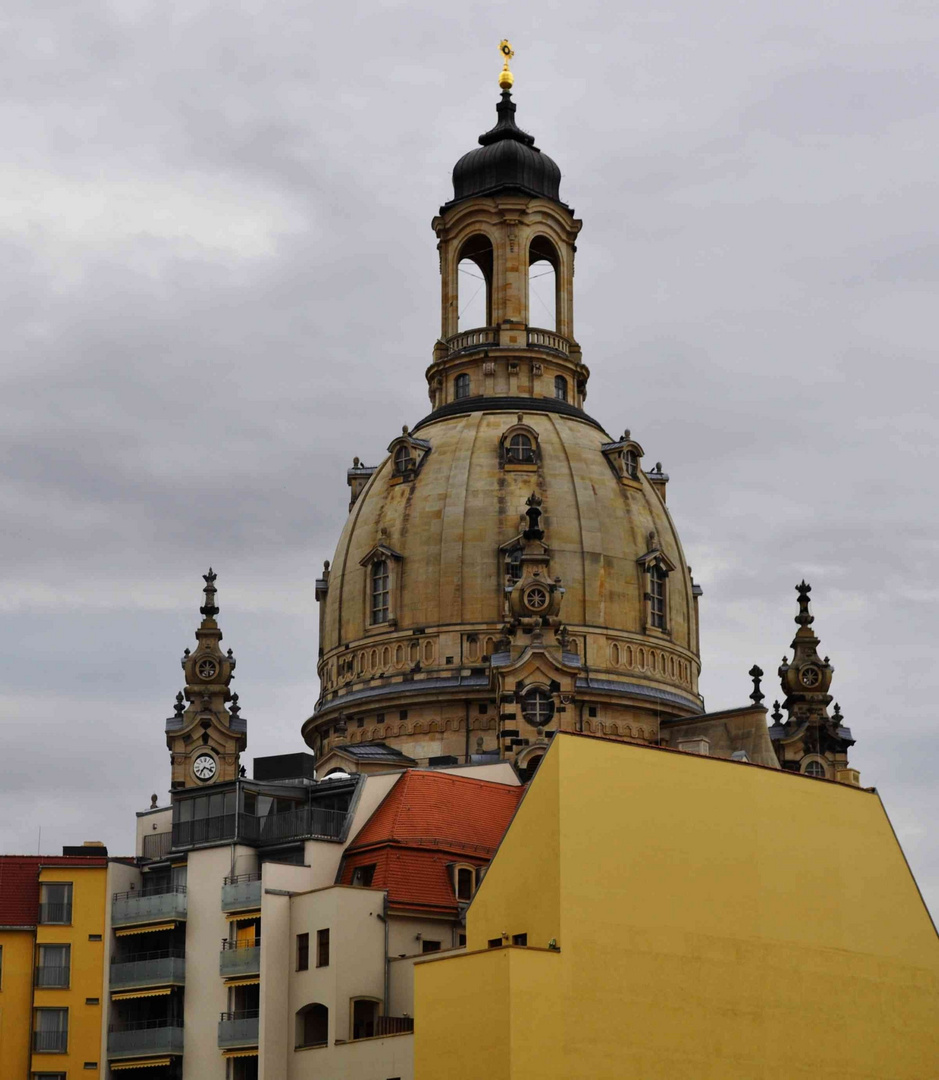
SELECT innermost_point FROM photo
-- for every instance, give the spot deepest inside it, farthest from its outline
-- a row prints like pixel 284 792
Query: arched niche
pixel 474 282
pixel 544 272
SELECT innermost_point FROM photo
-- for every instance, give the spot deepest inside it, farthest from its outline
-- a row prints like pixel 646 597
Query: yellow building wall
pixel 16 997
pixel 718 921
pixel 87 976
pixel 530 851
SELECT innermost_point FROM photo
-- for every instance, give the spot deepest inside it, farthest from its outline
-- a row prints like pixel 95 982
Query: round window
pixel 207 669
pixel 811 676
pixel 536 598
pixel 537 708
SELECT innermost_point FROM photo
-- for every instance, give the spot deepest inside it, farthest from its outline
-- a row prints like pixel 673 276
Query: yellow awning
pixel 239 1053
pixel 243 916
pixel 251 981
pixel 150 1064
pixel 151 929
pixel 128 994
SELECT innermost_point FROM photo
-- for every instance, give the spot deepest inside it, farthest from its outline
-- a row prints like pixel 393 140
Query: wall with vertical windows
pixel 69 970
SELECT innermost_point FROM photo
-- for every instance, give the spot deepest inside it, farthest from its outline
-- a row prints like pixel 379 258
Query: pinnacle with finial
pixel 506 78
pixel 756 674
pixel 209 609
pixel 776 713
pixel 804 618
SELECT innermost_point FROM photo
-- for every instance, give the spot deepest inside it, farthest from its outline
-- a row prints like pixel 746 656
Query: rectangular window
pixel 362 875
pixel 322 948
pixel 381 591
pixel 48 1076
pixel 50 1031
pixel 1 967
pixel 495 943
pixel 52 970
pixel 364 1018
pixel 55 903
pixel 303 952
pixel 465 877
pixel 462 941
pixel 657 598
pixel 519 939
pixel 430 946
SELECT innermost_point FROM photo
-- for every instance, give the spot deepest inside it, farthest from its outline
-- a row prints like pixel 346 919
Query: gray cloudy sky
pixel 220 283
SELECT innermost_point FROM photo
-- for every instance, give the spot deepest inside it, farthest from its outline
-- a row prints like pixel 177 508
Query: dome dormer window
pixel 631 464
pixel 381 580
pixel 655 567
pixel 461 387
pixel 658 583
pixel 403 460
pixel 382 587
pixel 624 457
pixel 407 456
pixel 518 448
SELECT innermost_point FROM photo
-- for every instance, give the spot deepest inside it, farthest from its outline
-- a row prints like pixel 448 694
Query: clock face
pixel 204 767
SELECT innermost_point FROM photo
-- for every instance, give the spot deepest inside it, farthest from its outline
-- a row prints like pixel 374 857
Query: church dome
pixel 506 160
pixel 447 536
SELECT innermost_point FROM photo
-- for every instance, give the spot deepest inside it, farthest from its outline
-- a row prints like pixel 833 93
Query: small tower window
pixel 461 386
pixel 380 591
pixel 560 388
pixel 815 768
pixel 537 708
pixel 513 565
pixel 520 451
pixel 658 583
pixel 465 881
pixel 631 464
pixel 403 459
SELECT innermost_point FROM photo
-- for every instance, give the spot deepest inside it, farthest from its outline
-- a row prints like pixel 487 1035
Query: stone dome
pixel 506 160
pixel 445 533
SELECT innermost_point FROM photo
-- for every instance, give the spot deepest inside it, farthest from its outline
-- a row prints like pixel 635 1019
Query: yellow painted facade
pixel 16 1000
pixel 86 972
pixel 714 919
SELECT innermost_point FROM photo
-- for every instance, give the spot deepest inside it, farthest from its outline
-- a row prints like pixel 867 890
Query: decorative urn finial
pixel 209 608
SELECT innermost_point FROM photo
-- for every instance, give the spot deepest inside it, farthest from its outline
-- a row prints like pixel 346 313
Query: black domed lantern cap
pixel 507 160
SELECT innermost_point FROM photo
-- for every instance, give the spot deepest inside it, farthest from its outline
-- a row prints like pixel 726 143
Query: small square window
pixel 462 940
pixel 94 937
pixel 92 1001
pixel 591 710
pixel 519 939
pixel 403 714
pixel 362 875
pixel 380 718
pixel 495 943
pixel 360 722
pixel 430 946
pixel 90 1065
pixel 483 709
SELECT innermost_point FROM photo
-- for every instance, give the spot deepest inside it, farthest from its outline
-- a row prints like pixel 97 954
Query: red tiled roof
pixel 434 809
pixel 19 884
pixel 427 822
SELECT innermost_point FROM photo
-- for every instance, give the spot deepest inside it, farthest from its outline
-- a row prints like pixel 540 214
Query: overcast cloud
pixel 220 283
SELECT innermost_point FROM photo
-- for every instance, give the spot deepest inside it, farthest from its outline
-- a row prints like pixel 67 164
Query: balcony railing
pixel 383 1025
pixel 157 845
pixel 146 1037
pixel 154 905
pixel 148 969
pixel 238 1028
pixel 473 339
pixel 242 892
pixel 50 1042
pixel 545 339
pixel 52 978
pixel 55 913
pixel 306 821
pixel 239 958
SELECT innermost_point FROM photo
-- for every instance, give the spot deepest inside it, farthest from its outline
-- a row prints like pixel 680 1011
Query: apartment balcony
pixel 52 978
pixel 137 908
pixel 238 1029
pixel 164 968
pixel 239 958
pixel 241 893
pixel 382 1026
pixel 145 1037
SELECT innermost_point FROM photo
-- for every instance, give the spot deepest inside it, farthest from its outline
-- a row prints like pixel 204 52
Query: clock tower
pixel 206 736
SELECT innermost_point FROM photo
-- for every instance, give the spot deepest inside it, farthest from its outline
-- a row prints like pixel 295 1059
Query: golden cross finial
pixel 506 78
